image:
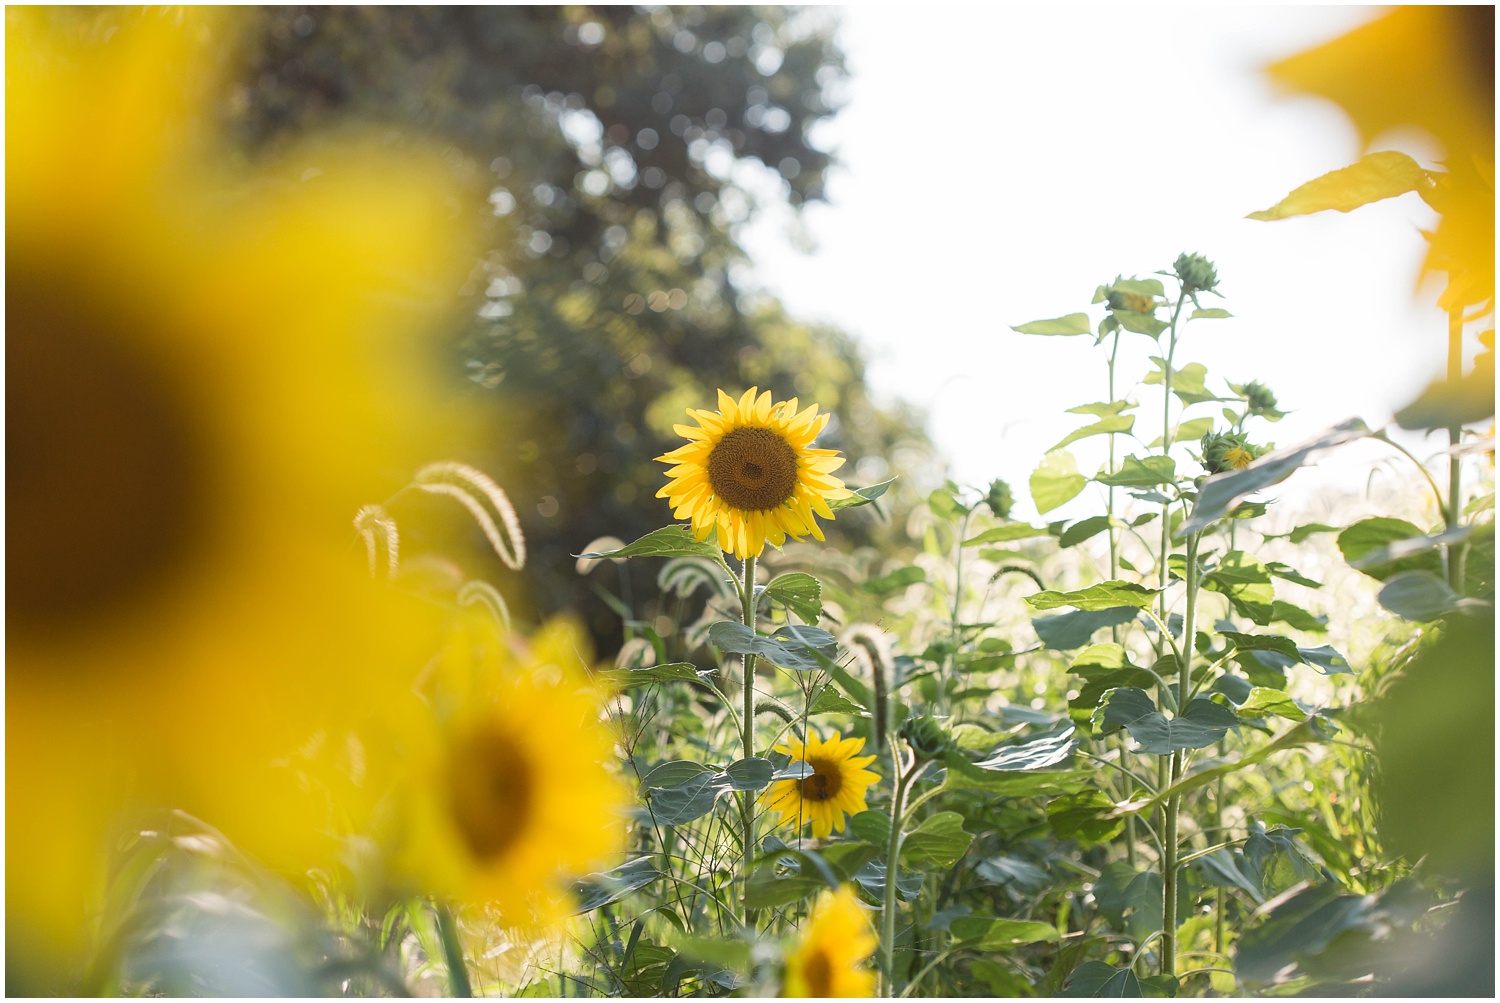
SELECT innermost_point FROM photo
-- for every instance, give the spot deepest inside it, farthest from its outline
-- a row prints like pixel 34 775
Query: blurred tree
pixel 624 148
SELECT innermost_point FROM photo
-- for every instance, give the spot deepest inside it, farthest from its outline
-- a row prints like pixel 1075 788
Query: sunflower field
pixel 430 570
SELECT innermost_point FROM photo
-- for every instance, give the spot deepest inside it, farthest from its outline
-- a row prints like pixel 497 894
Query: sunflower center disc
pixel 104 468
pixel 819 974
pixel 825 782
pixel 490 793
pixel 753 469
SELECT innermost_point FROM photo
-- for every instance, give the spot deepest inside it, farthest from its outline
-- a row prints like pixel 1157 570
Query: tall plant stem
pixel 1164 763
pixel 904 774
pixel 1456 551
pixel 1114 572
pixel 453 953
pixel 1178 761
pixel 747 729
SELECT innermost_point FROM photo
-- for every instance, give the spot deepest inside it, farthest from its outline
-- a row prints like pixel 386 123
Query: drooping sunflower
pixel 749 473
pixel 504 796
pixel 835 943
pixel 837 785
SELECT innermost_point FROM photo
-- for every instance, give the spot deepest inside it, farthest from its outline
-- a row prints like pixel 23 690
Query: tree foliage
pixel 622 149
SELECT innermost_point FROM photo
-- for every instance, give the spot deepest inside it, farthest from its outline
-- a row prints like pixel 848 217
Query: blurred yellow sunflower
pixel 836 941
pixel 837 785
pixel 505 795
pixel 749 473
pixel 208 372
pixel 1433 67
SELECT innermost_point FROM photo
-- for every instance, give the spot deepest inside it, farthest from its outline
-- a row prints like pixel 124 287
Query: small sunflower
pixel 505 796
pixel 835 942
pixel 837 785
pixel 749 473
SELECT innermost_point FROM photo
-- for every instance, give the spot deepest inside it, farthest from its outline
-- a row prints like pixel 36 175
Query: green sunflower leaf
pixel 604 887
pixel 938 842
pixel 1105 595
pixel 1073 323
pixel 898 579
pixel 1201 724
pixel 986 933
pixel 862 496
pixel 1073 630
pixel 670 672
pixel 798 592
pixel 1141 472
pixel 1005 534
pixel 669 541
pixel 793 646
pixel 1056 481
pixel 749 774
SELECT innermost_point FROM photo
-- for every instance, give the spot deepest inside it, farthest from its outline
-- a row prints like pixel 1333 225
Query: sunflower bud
pixel 1195 272
pixel 999 498
pixel 1225 451
pixel 927 737
pixel 1120 299
pixel 1259 397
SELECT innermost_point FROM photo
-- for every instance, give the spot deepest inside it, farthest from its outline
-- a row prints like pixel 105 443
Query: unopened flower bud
pixel 927 737
pixel 1259 397
pixel 1195 272
pixel 1120 299
pixel 1225 451
pixel 999 499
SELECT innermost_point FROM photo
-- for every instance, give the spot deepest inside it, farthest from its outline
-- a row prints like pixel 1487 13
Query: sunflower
pixel 835 942
pixel 837 785
pixel 505 796
pixel 749 473
pixel 208 371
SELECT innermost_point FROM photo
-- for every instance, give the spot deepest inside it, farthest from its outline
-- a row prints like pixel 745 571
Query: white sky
pixel 999 163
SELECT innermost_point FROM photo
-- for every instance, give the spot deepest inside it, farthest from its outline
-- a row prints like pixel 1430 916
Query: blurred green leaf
pixel 1187 381
pixel 1141 472
pixel 1073 323
pixel 669 541
pixel 1103 596
pixel 1105 426
pixel 1367 541
pixel 1056 481
pixel 1007 533
pixel 986 933
pixel 897 579
pixel 1221 491
pixel 1420 595
pixel 1083 529
pixel 670 672
pixel 938 842
pixel 1209 313
pixel 1074 630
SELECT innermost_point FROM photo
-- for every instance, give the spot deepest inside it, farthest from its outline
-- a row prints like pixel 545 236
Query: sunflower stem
pixel 453 953
pixel 1453 510
pixel 904 774
pixel 747 733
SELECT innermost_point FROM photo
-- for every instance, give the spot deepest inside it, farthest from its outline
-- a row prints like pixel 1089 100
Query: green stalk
pixel 1114 572
pixel 747 733
pixel 1454 509
pixel 892 868
pixel 1178 763
pixel 453 953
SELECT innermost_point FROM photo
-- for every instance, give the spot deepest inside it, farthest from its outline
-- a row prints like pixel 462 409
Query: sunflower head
pixel 835 942
pixel 836 786
pixel 1225 451
pixel 504 795
pixel 749 474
